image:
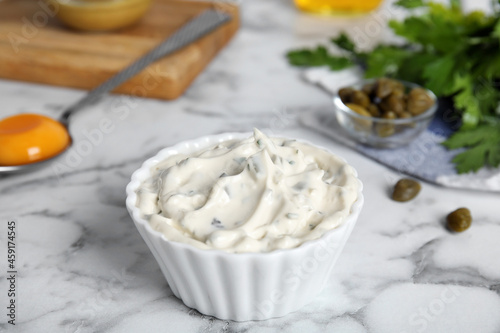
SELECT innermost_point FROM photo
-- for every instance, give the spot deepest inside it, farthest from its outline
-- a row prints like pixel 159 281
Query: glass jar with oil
pixel 337 6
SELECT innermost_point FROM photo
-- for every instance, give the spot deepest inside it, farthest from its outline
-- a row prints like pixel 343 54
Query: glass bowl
pixel 380 132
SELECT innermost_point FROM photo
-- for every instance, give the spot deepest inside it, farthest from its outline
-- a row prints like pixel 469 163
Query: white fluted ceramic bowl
pixel 241 286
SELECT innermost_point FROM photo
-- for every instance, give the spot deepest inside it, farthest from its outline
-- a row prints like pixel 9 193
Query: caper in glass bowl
pixel 384 113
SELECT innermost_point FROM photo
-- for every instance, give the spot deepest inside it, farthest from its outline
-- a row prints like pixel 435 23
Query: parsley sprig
pixel 455 55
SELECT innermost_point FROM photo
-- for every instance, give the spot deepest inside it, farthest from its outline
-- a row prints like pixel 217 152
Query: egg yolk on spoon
pixel 29 138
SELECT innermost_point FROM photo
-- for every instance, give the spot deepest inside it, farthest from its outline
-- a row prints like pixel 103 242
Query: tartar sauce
pixel 254 195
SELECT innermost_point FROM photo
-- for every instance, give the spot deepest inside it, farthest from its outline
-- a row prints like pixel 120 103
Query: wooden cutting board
pixel 35 47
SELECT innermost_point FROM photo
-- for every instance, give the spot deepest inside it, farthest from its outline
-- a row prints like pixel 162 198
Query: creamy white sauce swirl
pixel 254 195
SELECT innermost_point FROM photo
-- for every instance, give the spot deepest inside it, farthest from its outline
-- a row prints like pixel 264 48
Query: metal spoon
pixel 198 27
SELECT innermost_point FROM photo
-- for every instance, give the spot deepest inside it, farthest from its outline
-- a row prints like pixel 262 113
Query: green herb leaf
pixel 344 42
pixel 464 139
pixel 409 4
pixel 456 4
pixel 496 29
pixel 488 98
pixel 484 148
pixel 384 61
pixel 469 105
pixel 411 67
pixel 317 57
pixel 439 73
pixel 411 28
pixel 338 63
pixel 471 160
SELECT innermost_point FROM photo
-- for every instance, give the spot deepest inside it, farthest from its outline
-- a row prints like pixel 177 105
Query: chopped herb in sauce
pixel 299 186
pixel 217 223
pixel 227 190
pixel 256 168
pixel 239 160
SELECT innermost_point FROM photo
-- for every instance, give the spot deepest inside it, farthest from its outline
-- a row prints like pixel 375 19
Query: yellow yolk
pixel 29 138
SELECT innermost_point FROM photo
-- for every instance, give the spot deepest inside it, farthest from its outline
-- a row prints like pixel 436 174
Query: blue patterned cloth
pixel 424 158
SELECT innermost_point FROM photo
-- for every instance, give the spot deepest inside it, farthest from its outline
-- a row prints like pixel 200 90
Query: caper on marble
pixel 459 220
pixel 405 190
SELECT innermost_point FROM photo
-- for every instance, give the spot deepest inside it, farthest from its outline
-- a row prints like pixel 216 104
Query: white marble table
pixel 83 267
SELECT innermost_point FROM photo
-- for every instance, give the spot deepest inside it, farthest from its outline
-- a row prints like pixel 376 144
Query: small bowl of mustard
pixel 99 15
